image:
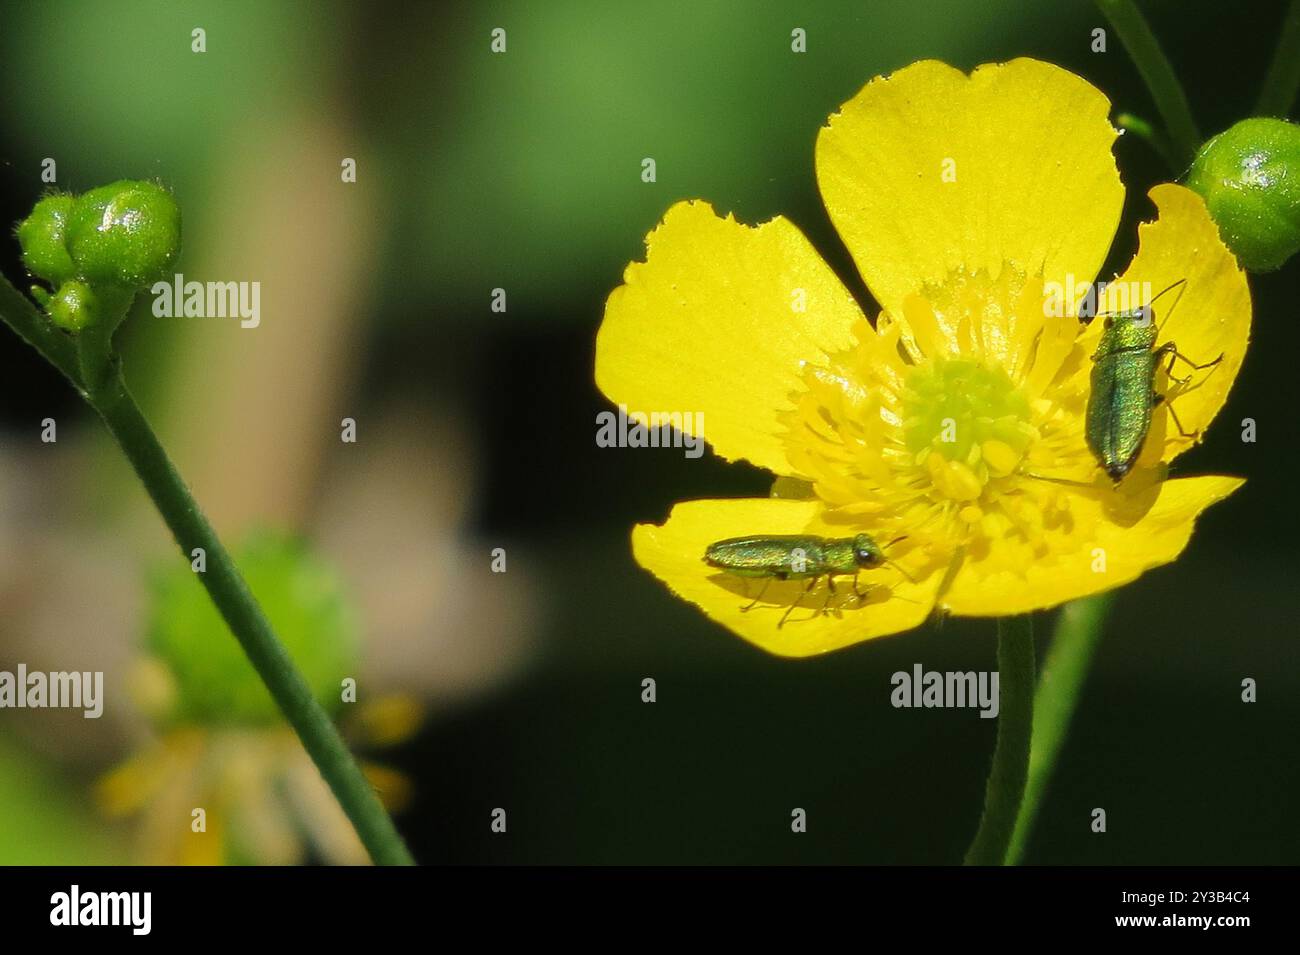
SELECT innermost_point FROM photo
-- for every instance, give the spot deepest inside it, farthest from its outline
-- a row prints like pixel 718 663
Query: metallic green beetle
pixel 1123 393
pixel 796 557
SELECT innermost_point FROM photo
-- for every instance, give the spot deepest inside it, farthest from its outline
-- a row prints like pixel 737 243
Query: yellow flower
pixel 967 203
pixel 220 743
pixel 263 800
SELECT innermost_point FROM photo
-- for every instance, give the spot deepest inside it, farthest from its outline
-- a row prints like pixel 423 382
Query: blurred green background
pixel 476 430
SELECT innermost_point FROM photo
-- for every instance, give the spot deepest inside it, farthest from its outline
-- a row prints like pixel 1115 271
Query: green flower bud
pixel 73 306
pixel 126 233
pixel 1249 177
pixel 43 235
pixel 213 681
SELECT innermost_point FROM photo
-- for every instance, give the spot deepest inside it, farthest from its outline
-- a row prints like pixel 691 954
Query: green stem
pixel 1283 77
pixel 1142 45
pixel 109 396
pixel 247 621
pixel 1142 129
pixel 35 328
pixel 1078 631
pixel 1006 783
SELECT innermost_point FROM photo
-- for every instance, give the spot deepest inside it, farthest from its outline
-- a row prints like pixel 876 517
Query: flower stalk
pixel 1064 671
pixel 246 620
pixel 1153 137
pixel 1144 49
pixel 96 269
pixel 1006 783
pixel 1283 79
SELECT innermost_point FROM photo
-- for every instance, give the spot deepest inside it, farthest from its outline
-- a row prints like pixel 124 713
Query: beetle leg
pixel 806 591
pixel 761 590
pixel 1170 349
pixel 1174 414
pixel 1194 366
pixel 830 592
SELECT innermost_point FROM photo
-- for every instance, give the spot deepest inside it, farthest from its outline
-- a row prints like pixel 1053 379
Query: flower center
pixel 964 422
pixel 940 424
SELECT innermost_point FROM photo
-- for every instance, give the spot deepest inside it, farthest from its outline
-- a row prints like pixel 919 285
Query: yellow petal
pixel 393 787
pixel 130 785
pixel 1211 318
pixel 674 553
pixel 134 783
pixel 390 720
pixel 1027 147
pixel 1121 551
pixel 718 321
pixel 206 848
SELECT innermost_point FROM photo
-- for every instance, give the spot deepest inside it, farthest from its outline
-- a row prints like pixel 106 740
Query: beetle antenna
pixel 894 564
pixel 1181 282
pixel 1055 480
pixel 899 567
pixel 1181 285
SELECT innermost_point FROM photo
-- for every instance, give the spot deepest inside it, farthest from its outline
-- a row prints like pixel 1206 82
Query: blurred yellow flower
pixel 967 203
pixel 225 780
pixel 263 801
